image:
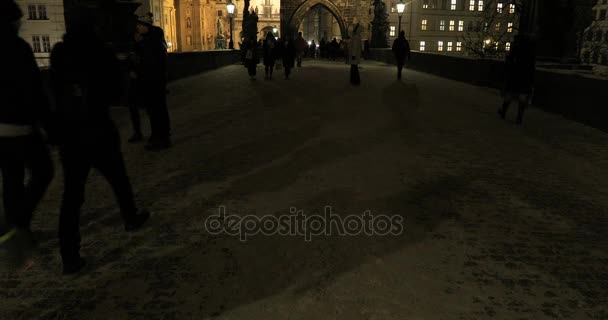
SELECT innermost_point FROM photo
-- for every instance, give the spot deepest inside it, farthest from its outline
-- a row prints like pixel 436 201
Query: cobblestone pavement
pixel 501 221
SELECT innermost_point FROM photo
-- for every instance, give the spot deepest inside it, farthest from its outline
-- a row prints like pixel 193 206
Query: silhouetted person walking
pixel 270 54
pixel 24 109
pixel 251 58
pixel 152 82
pixel 88 137
pixel 519 76
pixel 401 50
pixel 288 53
pixel 301 47
pixel 355 56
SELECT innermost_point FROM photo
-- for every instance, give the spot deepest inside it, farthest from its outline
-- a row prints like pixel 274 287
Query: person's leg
pixel 271 70
pixel 38 162
pixel 13 189
pixel 110 163
pixel 399 69
pixel 76 168
pixel 523 105
pixel 505 105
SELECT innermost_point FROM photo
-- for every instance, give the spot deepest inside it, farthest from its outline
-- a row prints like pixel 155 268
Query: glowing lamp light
pixel 400 7
pixel 309 43
pixel 230 7
pixel 275 29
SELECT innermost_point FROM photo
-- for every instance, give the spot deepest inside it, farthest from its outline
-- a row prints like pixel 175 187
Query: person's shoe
pixel 137 221
pixel 137 137
pixel 74 267
pixel 158 144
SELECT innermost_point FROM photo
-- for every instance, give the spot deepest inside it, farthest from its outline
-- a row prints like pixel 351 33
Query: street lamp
pixel 230 7
pixel 275 30
pixel 400 10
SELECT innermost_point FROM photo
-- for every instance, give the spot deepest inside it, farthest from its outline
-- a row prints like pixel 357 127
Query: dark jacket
pixel 288 53
pixel 520 66
pixel 151 53
pixel 401 49
pixel 23 99
pixel 270 51
pixel 86 79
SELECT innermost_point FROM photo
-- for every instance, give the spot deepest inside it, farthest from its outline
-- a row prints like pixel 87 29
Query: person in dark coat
pixel 251 57
pixel 270 54
pixel 288 53
pixel 151 72
pixel 519 76
pixel 301 47
pixel 401 50
pixel 25 109
pixel 88 137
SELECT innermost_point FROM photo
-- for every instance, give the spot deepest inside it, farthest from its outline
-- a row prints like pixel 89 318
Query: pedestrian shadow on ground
pixel 401 98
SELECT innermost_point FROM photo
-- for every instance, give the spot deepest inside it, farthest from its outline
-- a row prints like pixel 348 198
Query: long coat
pixel 355 48
pixel 270 52
pixel 288 53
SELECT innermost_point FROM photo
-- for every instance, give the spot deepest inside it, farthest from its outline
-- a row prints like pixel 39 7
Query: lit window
pixel 422 45
pixel 442 25
pixel 36 44
pixel 512 8
pixel 453 5
pixel 439 45
pixel 42 12
pixel 31 10
pixel 510 27
pixel 508 46
pixel 461 25
pixel 458 46
pixel 423 26
pixel 449 45
pixel 425 4
pixel 472 5
pixel 480 5
pixel 497 26
pixel 46 44
pixel 499 7
pixel 452 22
pixel 392 31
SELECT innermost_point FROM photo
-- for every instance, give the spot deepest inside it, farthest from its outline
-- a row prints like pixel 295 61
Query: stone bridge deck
pixel 501 221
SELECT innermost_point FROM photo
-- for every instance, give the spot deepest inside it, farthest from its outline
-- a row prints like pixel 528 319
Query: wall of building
pixel 595 46
pixel 42 26
pixel 428 23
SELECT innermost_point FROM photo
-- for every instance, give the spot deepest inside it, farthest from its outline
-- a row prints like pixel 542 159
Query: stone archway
pixel 300 11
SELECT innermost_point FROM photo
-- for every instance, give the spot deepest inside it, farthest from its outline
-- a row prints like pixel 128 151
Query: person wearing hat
pixel 24 111
pixel 151 73
pixel 88 138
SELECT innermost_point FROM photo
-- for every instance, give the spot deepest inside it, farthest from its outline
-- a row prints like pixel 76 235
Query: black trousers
pixel 251 69
pixel 78 159
pixel 18 155
pixel 399 68
pixel 153 95
pixel 354 74
pixel 134 104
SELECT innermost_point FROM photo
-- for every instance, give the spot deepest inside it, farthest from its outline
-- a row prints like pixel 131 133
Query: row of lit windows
pixel 424 25
pixel 41 43
pixel 473 5
pixel 451 46
pixel 37 12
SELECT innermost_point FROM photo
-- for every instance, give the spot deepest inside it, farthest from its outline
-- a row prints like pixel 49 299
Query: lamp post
pixel 230 7
pixel 400 10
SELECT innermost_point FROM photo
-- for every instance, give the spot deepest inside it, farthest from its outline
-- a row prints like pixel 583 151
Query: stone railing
pixel 574 95
pixel 184 64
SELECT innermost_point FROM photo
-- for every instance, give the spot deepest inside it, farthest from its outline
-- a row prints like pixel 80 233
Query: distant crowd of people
pixel 86 78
